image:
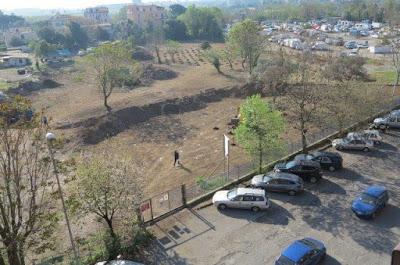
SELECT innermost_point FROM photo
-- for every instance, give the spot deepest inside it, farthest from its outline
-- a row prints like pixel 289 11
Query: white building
pixel 97 14
pixel 13 61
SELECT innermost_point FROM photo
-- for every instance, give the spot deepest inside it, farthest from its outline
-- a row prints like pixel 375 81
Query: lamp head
pixel 50 136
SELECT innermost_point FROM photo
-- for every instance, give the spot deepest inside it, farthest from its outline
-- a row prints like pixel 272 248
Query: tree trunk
pixel 158 54
pixel 397 81
pixel 115 248
pixel 303 137
pixel 261 157
pixel 12 252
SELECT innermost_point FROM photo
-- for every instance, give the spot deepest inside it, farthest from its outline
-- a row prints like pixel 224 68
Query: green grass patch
pixel 375 62
pixel 4 86
pixel 384 77
pixel 211 184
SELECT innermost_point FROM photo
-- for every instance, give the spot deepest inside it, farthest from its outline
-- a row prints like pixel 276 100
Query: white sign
pixel 226 146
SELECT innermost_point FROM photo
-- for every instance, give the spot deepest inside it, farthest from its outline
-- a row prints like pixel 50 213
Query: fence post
pixel 183 191
pixel 151 210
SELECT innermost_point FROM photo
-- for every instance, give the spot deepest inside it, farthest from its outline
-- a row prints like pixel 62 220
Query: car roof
pixel 296 251
pixel 375 190
pixel 284 175
pixel 243 191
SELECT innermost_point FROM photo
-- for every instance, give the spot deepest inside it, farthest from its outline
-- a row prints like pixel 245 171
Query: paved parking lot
pixel 208 236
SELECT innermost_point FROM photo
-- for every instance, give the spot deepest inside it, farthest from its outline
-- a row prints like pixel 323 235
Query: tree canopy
pixel 203 23
pixel 260 129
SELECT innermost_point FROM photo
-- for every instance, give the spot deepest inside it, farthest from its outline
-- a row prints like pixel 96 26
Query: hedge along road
pixel 209 236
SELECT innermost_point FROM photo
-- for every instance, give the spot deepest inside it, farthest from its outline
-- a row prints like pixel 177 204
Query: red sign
pixel 145 206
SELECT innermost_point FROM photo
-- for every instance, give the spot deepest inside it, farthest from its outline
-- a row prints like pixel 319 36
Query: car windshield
pixel 291 164
pixel 368 198
pixel 266 178
pixel 283 260
pixel 232 194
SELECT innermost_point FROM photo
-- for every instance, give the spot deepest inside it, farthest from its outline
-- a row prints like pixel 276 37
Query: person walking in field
pixel 176 156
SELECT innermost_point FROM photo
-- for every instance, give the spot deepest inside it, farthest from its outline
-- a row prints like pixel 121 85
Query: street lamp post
pixel 50 137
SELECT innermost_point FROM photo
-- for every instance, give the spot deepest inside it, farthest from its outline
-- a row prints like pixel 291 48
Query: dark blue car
pixel 373 199
pixel 305 251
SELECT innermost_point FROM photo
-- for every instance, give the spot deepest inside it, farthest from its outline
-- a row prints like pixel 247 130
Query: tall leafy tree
pixel 203 23
pixel 176 10
pixel 245 38
pixel 175 30
pixel 113 67
pixel 109 187
pixel 26 219
pixel 260 129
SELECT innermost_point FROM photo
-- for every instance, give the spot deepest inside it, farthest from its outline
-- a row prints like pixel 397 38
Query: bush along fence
pixel 189 195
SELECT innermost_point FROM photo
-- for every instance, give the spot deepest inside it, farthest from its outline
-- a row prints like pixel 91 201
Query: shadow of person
pixel 180 165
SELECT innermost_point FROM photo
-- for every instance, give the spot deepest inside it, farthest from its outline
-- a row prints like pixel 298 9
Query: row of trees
pixel 313 95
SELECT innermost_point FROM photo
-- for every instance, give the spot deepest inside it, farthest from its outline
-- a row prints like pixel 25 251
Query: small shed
pixel 14 61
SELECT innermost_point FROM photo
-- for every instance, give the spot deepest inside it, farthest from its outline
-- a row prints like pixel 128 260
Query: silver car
pixel 353 143
pixel 372 135
pixel 242 198
pixel 278 182
pixel 390 121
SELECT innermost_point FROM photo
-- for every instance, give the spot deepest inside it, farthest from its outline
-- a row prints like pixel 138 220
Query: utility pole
pixel 50 137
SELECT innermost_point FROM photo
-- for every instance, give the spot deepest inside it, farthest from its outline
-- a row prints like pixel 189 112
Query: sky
pixel 56 4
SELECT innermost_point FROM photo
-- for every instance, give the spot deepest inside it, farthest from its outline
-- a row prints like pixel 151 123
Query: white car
pixel 242 198
pixel 372 135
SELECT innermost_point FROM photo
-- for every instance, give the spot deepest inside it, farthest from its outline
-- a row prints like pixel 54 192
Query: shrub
pixel 205 45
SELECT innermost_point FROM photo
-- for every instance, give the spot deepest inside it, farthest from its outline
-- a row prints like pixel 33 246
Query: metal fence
pixel 176 197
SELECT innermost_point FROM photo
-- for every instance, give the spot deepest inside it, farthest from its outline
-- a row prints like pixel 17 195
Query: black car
pixel 306 169
pixel 328 160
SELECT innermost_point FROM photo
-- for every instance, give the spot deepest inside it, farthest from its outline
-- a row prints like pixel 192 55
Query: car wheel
pixel 382 127
pixel 222 206
pixel 331 168
pixel 366 149
pixel 313 180
pixel 372 216
pixel 255 209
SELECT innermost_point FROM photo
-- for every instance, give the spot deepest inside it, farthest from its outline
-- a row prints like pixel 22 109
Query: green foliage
pixel 244 37
pixel 41 48
pixel 210 184
pixel 77 37
pixel 203 23
pixel 175 30
pixel 176 10
pixel 8 21
pixel 214 57
pixel 172 48
pixel 259 129
pixel 113 67
pixel 205 45
pixel 16 41
pixel 102 34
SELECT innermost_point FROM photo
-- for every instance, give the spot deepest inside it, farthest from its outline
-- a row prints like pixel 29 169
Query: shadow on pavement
pixel 275 215
pixel 329 260
pixel 328 187
pixel 156 254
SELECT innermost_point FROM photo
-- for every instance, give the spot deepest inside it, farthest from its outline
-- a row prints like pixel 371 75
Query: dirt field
pixel 188 113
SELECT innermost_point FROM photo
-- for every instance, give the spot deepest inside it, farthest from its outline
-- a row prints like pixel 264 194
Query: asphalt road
pixel 209 236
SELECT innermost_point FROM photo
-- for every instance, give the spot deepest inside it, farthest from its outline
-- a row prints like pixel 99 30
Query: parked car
pixel 327 160
pixel 278 182
pixel 308 251
pixel 372 135
pixel 118 262
pixel 353 143
pixel 368 203
pixel 350 45
pixel 390 121
pixel 307 170
pixel 243 198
